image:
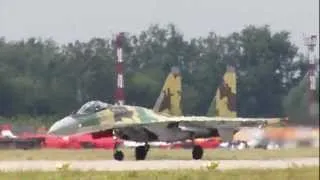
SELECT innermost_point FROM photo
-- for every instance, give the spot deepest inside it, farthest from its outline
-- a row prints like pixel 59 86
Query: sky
pixel 70 20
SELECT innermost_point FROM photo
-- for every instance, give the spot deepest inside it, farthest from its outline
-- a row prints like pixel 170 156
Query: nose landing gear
pixel 118 154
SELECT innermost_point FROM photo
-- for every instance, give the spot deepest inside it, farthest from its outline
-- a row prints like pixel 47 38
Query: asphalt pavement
pixel 112 165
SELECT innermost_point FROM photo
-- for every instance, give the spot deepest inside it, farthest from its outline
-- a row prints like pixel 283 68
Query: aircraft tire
pixel 197 152
pixel 118 155
pixel 141 152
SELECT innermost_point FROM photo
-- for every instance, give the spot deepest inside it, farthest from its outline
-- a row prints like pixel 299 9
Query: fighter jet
pixel 164 123
pixel 140 124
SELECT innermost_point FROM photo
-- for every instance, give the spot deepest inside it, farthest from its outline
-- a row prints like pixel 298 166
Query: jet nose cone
pixel 65 126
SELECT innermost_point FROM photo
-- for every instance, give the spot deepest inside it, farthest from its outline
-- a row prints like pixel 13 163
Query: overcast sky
pixel 68 20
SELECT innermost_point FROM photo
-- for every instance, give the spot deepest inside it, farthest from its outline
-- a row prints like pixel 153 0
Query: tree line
pixel 42 77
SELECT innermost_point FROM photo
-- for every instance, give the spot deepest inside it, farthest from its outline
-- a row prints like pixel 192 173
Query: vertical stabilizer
pixel 224 103
pixel 169 101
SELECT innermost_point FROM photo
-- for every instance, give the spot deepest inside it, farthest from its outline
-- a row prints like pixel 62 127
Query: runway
pixel 111 165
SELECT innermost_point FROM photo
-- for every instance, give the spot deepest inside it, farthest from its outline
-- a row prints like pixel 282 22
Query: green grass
pixel 301 173
pixel 156 154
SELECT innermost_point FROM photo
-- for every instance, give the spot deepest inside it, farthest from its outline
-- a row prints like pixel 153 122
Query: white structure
pixel 310 43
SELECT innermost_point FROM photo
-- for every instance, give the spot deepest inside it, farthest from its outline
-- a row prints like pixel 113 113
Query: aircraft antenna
pixel 119 94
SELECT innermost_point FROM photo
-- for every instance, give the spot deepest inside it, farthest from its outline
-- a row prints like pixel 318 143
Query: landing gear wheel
pixel 141 152
pixel 197 152
pixel 118 155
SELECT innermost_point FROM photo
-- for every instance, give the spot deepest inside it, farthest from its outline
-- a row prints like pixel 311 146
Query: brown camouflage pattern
pixel 226 95
pixel 169 101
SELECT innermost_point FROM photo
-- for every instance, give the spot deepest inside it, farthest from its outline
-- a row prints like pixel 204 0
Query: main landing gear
pixel 197 152
pixel 141 152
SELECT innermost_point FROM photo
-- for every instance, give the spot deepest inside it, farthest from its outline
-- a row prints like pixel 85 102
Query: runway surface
pixel 111 165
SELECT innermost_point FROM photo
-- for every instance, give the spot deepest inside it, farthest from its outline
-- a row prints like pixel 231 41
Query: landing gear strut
pixel 141 152
pixel 118 154
pixel 197 152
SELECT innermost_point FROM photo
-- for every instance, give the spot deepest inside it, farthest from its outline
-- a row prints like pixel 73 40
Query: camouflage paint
pixel 225 99
pixel 145 116
pixel 106 117
pixel 117 116
pixel 169 101
pixel 88 120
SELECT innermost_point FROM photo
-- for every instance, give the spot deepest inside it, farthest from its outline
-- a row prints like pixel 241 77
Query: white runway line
pixel 111 165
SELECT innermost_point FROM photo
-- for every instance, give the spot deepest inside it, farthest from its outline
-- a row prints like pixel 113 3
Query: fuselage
pixel 142 124
pixel 130 123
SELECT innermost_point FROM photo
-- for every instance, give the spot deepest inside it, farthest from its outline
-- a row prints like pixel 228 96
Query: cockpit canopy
pixel 92 107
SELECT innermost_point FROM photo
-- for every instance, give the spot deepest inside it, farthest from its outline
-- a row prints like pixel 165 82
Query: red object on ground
pixel 79 142
pixel 208 143
pixel 74 141
pixel 86 141
pixel 55 142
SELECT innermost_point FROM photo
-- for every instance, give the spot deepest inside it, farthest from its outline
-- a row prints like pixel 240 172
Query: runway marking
pixel 112 165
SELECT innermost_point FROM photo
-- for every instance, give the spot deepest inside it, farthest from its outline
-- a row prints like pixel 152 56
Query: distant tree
pixel 266 70
pixel 297 102
pixel 40 77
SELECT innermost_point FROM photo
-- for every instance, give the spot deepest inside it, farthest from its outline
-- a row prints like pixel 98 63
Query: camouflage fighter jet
pixel 139 124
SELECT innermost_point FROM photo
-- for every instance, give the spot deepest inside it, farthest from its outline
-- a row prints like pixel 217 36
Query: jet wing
pixel 230 120
pixel 202 127
pixel 182 128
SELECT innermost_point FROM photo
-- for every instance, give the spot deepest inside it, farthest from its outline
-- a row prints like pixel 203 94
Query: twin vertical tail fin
pixel 224 103
pixel 169 101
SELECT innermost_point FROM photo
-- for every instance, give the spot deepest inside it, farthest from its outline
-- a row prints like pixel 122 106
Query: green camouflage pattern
pixel 120 116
